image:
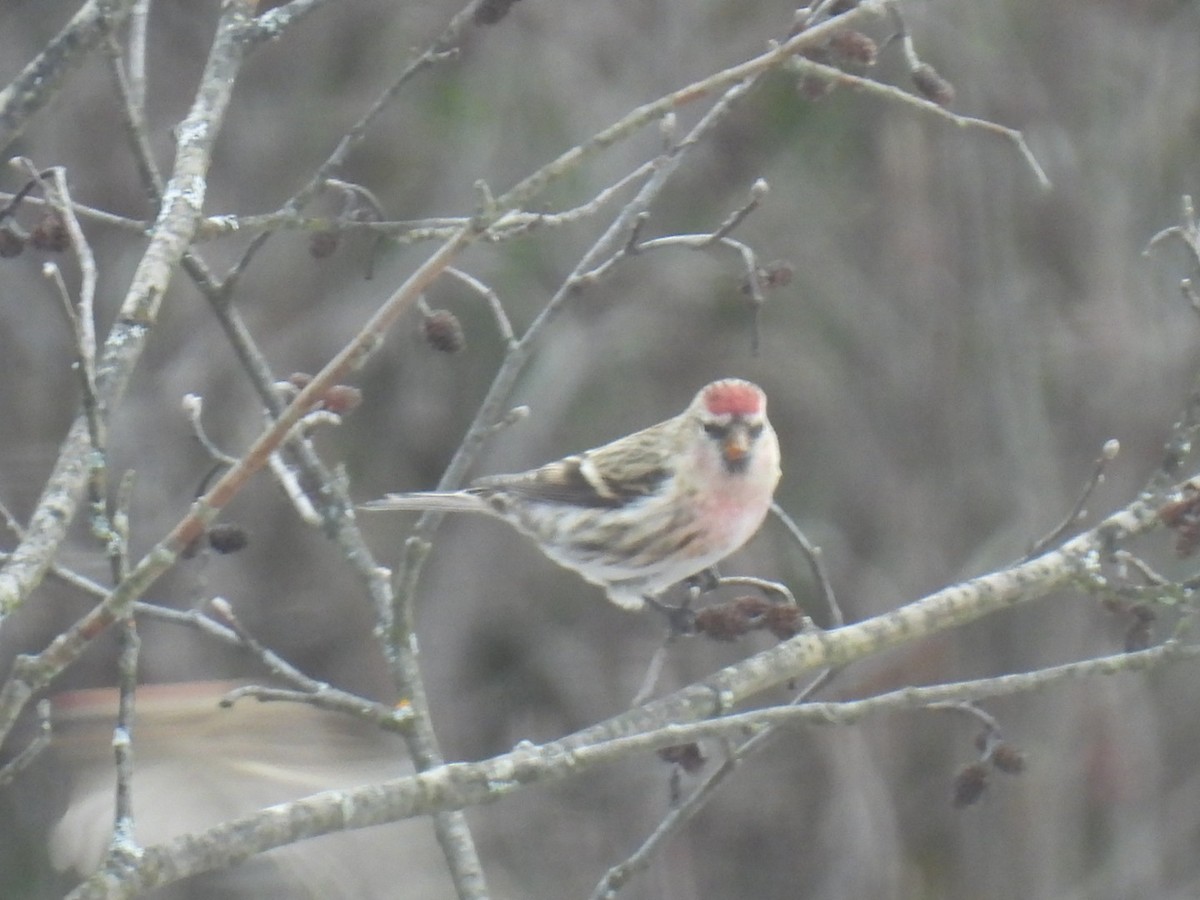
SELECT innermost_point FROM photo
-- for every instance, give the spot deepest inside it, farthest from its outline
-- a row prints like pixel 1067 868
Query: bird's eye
pixel 755 430
pixel 715 431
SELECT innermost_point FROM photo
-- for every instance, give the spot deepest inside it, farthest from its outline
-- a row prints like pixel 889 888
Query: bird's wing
pixel 580 481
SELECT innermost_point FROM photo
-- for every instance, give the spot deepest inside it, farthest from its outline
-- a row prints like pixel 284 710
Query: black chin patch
pixel 736 466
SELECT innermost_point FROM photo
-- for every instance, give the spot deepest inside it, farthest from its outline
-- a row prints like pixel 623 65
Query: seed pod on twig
pixel 970 784
pixel 228 538
pixel 443 331
pixel 50 234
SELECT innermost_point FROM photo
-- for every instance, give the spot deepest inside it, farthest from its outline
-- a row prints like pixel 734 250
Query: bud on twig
pixel 932 85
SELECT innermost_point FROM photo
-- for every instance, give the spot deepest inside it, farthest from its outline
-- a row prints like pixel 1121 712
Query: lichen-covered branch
pixel 698 711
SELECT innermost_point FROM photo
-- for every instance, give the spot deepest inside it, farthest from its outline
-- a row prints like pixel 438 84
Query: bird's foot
pixel 703 581
pixel 681 619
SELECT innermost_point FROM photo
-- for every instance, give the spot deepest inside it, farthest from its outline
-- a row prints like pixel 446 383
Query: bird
pixel 648 510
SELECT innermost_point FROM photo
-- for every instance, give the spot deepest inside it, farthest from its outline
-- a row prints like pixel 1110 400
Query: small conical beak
pixel 736 448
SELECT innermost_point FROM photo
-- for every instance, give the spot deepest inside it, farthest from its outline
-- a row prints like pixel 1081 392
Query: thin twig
pixel 691 710
pixel 176 222
pixel 272 23
pixel 450 827
pixel 1153 578
pixel 42 77
pixel 727 80
pixel 355 192
pixel 758 191
pixel 82 318
pixel 289 481
pixel 52 273
pixel 193 408
pixel 680 814
pixel 13 201
pixel 653 671
pixel 418 545
pixel 1179 443
pixel 286 433
pixel 117 549
pixel 397 719
pixel 82 313
pixel 123 845
pixel 509 419
pixel 816 564
pixel 631 245
pixel 434 53
pixel 222 609
pixel 503 325
pixel 405 231
pixel 518 222
pixel 1187 231
pixel 1107 454
pixel 514 223
pixel 135 70
pixel 30 752
pixel 830 73
pixel 634 246
pixel 133 107
pixel 461 785
pixel 683 812
pixel 318 693
pixel 969 709
pixel 765 585
pixel 81 210
pixel 306 689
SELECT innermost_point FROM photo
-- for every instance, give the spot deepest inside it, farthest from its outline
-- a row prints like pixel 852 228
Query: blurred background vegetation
pixel 953 350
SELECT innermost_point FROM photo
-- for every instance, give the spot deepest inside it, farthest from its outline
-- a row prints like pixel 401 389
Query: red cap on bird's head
pixel 734 397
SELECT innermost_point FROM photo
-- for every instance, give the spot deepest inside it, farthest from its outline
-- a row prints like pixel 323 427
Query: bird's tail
pixel 440 501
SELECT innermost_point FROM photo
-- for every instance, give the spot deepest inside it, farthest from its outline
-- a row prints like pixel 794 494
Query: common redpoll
pixel 646 511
